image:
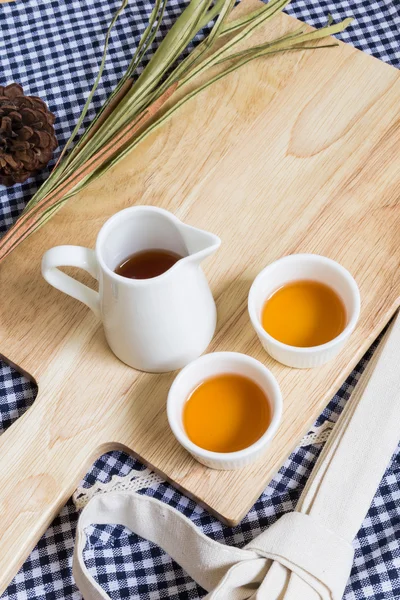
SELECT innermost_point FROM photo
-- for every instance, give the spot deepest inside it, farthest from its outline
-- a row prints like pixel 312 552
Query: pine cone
pixel 27 138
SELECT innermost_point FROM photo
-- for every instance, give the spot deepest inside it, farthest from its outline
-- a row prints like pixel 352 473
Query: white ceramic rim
pixel 276 405
pixel 353 318
pixel 131 209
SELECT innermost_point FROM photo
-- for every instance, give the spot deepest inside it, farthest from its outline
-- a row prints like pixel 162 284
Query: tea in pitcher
pixel 147 264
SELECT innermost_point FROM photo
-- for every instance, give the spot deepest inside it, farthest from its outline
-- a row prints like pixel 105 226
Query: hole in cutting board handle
pixel 18 391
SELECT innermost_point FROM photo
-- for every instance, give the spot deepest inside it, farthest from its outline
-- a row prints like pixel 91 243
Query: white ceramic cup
pixel 296 267
pixel 158 324
pixel 208 366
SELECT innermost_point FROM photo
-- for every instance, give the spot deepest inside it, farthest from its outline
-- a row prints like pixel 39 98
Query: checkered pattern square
pixel 53 48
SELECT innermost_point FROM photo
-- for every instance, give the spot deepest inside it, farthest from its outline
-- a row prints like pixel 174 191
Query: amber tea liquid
pixel 147 264
pixel 304 313
pixel 226 413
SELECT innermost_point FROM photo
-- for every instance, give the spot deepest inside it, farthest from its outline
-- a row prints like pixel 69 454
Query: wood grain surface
pixel 296 153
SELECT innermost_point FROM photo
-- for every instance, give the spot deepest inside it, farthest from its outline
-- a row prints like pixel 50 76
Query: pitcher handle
pixel 72 256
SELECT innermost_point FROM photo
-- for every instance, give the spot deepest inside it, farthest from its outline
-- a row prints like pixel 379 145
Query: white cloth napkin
pixel 306 554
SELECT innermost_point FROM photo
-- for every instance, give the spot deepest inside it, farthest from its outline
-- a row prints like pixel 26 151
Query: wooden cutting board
pixel 296 153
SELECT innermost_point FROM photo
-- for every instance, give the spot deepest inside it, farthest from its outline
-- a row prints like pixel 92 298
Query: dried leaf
pixel 132 111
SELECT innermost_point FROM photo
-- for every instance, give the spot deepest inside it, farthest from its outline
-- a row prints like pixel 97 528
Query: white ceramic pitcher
pixel 157 324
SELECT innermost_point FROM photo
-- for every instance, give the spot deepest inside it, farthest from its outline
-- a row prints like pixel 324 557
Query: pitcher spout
pixel 200 243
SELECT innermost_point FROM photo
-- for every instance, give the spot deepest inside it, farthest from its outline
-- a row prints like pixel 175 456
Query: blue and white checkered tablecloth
pixel 53 48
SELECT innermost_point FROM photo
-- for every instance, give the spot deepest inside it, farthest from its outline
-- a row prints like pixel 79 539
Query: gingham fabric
pixel 53 48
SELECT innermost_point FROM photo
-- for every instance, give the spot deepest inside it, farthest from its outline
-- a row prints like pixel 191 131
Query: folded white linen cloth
pixel 306 554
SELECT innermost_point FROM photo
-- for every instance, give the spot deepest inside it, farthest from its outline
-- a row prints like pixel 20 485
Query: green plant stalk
pixel 176 40
pixel 92 147
pixel 144 43
pixel 135 101
pixel 30 221
pixel 146 40
pixel 285 43
pixel 150 86
pixel 113 124
pixel 243 58
pixel 270 10
pixel 48 184
pixel 97 81
pixel 260 16
pixel 206 45
pixel 220 29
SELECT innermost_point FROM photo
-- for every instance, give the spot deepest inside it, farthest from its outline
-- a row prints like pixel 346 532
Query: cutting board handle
pixel 38 474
